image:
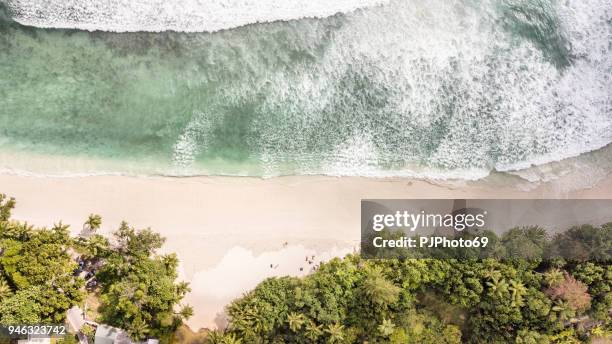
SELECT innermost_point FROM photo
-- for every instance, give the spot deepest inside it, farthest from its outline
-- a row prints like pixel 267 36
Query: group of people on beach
pixel 308 259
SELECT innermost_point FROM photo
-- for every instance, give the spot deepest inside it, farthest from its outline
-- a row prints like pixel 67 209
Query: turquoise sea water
pixel 429 88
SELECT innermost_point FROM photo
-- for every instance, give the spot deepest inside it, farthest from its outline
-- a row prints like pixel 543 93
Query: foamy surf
pixel 433 89
pixel 176 15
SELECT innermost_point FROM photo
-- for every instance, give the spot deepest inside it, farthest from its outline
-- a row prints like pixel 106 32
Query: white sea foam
pixel 193 140
pixel 511 106
pixel 176 15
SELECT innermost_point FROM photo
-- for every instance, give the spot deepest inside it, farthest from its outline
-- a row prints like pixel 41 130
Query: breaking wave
pixel 438 88
pixel 175 15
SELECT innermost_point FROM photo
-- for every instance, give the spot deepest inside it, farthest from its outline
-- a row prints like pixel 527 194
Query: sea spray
pixel 413 88
pixel 176 15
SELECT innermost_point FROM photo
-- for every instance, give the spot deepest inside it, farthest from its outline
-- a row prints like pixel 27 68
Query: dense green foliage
pixel 354 300
pixel 36 282
pixel 345 301
pixel 349 300
pixel 139 292
pixel 39 280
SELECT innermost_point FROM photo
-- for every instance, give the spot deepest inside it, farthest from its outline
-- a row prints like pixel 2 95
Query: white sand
pixel 227 231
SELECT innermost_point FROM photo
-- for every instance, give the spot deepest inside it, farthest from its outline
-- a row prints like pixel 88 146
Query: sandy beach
pixel 239 231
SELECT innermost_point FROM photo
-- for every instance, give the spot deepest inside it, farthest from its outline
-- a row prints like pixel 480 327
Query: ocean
pixel 432 89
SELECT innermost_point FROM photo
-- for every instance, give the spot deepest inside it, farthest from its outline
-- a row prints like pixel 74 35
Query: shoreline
pixel 244 229
pixel 595 165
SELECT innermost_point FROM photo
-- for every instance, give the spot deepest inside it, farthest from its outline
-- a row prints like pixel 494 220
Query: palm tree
pixel 386 328
pixel 231 339
pixel 517 290
pixel 186 312
pixel 249 323
pixel 493 274
pixel 553 277
pixel 296 321
pixel 6 205
pixel 170 261
pixel 313 331
pixel 61 230
pixel 93 222
pixel 18 230
pixel 5 289
pixel 498 286
pixel 379 290
pixel 537 235
pixel 182 288
pixel 336 333
pixel 563 310
pixel 216 337
pixel 138 329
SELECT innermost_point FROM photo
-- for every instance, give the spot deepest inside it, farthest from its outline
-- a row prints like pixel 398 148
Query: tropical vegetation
pixel 45 271
pixel 542 297
pixel 468 300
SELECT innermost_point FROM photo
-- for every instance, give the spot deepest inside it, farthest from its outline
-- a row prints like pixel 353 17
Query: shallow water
pixel 434 89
